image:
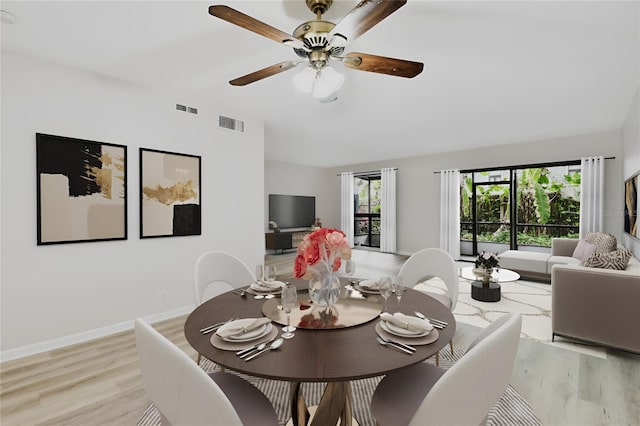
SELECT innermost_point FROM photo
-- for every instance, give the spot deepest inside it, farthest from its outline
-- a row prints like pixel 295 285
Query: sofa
pixel 537 265
pixel 596 305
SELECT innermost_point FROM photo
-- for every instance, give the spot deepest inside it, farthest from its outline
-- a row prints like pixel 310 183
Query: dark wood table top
pixel 317 355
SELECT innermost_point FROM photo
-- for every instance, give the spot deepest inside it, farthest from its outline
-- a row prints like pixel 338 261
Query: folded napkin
pixel 407 322
pixel 267 286
pixel 239 329
pixel 370 284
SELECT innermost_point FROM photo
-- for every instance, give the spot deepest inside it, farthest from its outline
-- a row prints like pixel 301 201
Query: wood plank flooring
pixel 98 382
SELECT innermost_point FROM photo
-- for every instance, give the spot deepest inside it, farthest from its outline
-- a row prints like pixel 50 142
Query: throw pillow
pixel 617 259
pixel 584 250
pixel 605 243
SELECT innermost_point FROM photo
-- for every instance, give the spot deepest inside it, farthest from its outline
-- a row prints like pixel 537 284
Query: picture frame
pixel 632 205
pixel 170 194
pixel 81 190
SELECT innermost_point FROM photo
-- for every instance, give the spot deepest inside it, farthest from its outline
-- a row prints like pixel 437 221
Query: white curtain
pixel 388 211
pixel 347 206
pixel 450 212
pixel 591 195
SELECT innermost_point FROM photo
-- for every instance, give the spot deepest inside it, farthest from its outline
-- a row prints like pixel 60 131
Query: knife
pixel 398 344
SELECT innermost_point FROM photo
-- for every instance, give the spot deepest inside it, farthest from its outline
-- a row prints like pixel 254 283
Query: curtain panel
pixel 450 212
pixel 591 195
pixel 347 206
pixel 388 211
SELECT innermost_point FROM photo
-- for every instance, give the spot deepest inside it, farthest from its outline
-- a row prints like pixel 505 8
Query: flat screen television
pixel 292 211
pixel 631 205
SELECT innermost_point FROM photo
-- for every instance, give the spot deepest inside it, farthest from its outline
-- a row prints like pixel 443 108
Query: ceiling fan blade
pixel 382 65
pixel 364 16
pixel 247 22
pixel 264 73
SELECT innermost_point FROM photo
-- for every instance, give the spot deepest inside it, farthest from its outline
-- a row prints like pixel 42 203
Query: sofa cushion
pixel 583 250
pixel 561 260
pixel 604 243
pixel 617 259
pixel 524 261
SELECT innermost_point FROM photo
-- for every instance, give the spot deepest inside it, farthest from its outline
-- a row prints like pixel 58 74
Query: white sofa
pixel 538 265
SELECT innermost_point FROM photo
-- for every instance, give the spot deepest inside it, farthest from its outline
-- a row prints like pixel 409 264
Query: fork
pixel 215 326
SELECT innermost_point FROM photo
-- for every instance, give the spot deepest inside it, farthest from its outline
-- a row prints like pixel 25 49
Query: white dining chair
pixel 426 264
pixel 184 394
pixel 217 272
pixel 462 395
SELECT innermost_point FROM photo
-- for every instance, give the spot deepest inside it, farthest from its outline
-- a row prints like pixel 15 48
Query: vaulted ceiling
pixel 495 72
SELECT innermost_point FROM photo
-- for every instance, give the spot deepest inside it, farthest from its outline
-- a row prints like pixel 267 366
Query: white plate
pixel 364 289
pixel 250 335
pixel 274 287
pixel 401 332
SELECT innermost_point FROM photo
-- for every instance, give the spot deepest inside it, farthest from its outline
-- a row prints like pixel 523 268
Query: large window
pixel 367 211
pixel 519 207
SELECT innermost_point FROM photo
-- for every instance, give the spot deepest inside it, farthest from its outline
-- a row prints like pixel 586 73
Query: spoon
pixel 391 345
pixel 274 345
pixel 262 296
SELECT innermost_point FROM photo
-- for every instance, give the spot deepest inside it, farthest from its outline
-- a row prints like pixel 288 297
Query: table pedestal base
pixel 334 407
pixel 489 292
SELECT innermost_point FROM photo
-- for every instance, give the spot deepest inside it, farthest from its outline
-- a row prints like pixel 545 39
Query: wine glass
pixel 259 273
pixel 349 270
pixel 398 288
pixel 270 273
pixel 386 288
pixel 289 299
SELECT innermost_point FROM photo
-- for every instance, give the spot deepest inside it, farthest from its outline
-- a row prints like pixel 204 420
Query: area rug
pixel 511 409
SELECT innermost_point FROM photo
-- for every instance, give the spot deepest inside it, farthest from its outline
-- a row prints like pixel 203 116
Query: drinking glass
pixel 398 288
pixel 259 273
pixel 270 273
pixel 289 299
pixel 386 288
pixel 349 270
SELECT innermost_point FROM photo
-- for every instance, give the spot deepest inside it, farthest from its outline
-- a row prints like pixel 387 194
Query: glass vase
pixel 324 290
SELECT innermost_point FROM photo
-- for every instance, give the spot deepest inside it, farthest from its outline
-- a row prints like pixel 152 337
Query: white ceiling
pixel 495 72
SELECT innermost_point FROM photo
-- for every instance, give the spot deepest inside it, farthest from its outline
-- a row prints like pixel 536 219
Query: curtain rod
pixel 367 173
pixel 525 166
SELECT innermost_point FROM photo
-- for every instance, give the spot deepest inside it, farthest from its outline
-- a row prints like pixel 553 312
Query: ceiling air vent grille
pixel 231 123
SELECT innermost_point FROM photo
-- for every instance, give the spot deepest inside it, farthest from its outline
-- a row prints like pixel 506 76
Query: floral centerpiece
pixel 485 263
pixel 320 254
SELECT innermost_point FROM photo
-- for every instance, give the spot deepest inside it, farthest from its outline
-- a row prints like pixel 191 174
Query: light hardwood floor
pixel 98 382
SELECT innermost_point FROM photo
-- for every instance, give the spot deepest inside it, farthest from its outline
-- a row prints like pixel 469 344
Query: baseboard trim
pixel 96 333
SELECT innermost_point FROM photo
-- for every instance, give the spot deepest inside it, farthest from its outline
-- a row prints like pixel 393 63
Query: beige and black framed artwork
pixel 632 205
pixel 81 190
pixel 170 187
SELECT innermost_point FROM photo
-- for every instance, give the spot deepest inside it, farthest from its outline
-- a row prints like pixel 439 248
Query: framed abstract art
pixel 632 205
pixel 81 190
pixel 170 187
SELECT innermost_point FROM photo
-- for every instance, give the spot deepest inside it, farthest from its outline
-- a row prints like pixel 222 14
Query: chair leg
pixel 451 345
pixel 198 360
pixel 438 359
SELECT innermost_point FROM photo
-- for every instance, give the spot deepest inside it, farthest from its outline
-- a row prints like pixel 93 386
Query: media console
pixel 284 240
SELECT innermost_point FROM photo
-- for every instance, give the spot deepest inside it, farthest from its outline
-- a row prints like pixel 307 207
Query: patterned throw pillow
pixel 616 259
pixel 604 243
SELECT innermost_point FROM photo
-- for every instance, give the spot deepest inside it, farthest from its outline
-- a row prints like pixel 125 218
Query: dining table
pixel 334 345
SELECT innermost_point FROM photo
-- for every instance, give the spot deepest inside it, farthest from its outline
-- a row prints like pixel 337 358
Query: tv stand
pixel 284 240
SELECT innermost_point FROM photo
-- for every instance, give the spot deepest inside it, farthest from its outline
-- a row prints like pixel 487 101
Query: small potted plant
pixel 274 226
pixel 485 263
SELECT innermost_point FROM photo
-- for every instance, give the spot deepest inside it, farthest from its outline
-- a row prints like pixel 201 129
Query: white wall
pixel 631 156
pixel 418 188
pixel 61 293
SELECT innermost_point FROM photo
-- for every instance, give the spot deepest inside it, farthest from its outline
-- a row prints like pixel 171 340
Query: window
pixel 367 210
pixel 519 206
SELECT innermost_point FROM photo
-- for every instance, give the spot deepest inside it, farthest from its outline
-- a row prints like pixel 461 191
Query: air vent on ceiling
pixel 186 108
pixel 231 123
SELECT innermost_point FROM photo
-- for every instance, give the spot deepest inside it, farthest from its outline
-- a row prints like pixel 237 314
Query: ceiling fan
pixel 319 42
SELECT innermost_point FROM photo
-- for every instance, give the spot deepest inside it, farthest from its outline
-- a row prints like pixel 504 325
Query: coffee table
pixel 488 292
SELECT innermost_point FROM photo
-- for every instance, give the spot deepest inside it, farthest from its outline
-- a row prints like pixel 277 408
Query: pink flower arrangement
pixel 321 252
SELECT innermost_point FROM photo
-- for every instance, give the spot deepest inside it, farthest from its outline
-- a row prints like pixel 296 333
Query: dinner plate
pixel 250 335
pixel 275 287
pixel 362 287
pixel 401 332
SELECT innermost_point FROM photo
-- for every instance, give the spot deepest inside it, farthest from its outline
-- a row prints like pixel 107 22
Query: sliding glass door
pixel 367 211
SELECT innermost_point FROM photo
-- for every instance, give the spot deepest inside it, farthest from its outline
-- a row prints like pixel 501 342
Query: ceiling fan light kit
pixel 318 42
